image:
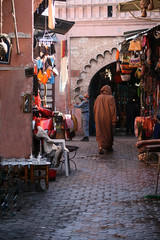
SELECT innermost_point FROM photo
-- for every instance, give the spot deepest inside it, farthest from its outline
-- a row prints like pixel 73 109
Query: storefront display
pixel 143 53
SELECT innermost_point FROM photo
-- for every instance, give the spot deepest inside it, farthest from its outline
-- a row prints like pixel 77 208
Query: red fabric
pixel 141 145
pixel 37 101
pixel 117 78
pixel 147 142
pixel 63 48
pixel 45 112
pixel 46 123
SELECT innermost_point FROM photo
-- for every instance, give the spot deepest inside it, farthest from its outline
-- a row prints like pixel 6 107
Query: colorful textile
pixel 51 80
pixel 63 48
pixel 69 122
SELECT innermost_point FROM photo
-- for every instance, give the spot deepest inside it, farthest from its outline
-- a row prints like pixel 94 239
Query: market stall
pixel 143 54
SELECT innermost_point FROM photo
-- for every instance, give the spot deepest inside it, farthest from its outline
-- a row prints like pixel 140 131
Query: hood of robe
pixel 106 90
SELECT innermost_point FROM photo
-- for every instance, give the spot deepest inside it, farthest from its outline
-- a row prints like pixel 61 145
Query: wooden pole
pixel 15 26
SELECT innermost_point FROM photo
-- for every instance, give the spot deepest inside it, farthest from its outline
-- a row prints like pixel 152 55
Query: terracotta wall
pixel 15 126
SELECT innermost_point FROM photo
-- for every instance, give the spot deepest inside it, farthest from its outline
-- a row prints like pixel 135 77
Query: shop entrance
pixel 126 93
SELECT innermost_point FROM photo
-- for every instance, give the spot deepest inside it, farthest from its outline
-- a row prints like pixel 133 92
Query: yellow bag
pixel 135 45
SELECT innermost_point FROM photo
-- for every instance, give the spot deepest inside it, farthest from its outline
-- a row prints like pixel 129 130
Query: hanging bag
pixel 135 60
pixel 135 45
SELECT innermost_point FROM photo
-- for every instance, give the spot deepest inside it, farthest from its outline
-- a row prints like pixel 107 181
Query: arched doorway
pixel 126 95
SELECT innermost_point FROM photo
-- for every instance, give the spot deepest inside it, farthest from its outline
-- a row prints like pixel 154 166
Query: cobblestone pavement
pixel 102 200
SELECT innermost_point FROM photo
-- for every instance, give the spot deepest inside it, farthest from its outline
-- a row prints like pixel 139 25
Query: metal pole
pixel 158 173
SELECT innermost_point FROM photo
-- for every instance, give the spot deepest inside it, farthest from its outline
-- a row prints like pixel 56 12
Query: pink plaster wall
pixel 15 126
pixel 93 34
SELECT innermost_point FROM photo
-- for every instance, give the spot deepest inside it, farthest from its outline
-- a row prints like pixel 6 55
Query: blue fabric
pixel 52 61
pixel 39 64
pixel 51 80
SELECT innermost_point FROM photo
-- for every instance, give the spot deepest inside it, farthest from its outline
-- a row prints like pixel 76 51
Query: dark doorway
pixel 126 95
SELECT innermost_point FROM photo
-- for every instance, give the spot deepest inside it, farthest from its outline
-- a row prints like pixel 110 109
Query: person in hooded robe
pixel 105 117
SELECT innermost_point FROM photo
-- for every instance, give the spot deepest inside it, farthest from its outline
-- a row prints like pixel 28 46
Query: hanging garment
pixel 39 64
pixel 51 14
pixel 64 73
pixel 51 79
pixel 69 122
pixel 53 49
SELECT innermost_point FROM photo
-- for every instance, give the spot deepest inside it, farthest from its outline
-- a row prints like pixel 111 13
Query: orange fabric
pixel 117 55
pixel 48 73
pixel 40 76
pixel 149 124
pixel 105 117
pixel 45 78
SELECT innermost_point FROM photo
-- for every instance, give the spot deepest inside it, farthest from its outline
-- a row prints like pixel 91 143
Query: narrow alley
pixel 103 200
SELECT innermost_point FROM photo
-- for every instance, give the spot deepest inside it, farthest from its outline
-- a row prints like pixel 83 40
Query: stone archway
pixel 85 76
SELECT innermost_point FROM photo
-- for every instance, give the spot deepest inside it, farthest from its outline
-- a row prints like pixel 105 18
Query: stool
pixel 74 150
pixel 151 148
pixel 40 167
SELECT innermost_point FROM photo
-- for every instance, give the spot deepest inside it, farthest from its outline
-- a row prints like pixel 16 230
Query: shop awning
pixel 41 21
pixel 61 27
pixel 134 6
pixel 129 35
